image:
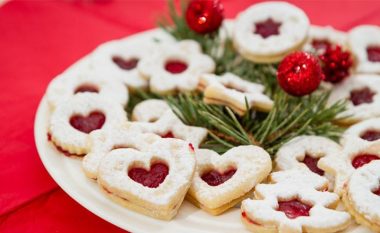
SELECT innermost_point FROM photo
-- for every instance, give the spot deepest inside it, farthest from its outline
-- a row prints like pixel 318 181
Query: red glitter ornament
pixel 299 74
pixel 336 64
pixel 204 16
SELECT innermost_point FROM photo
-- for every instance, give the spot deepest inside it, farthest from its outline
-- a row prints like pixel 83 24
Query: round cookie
pixel 317 154
pixel 222 181
pixel 175 67
pixel 366 132
pixel 295 201
pixel 362 196
pixel 362 92
pixel 118 59
pixel 82 80
pixel 266 32
pixel 320 38
pixel 364 42
pixel 73 120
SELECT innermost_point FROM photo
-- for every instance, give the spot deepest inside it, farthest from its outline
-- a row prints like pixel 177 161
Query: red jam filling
pixel 125 64
pixel 152 178
pixel 175 66
pixel 87 124
pixel 168 135
pixel 86 88
pixel 363 159
pixel 267 28
pixel 215 178
pixel 377 191
pixel 244 215
pixel 320 44
pixel 312 164
pixel 191 147
pixel 373 53
pixel 370 135
pixel 361 96
pixel 61 150
pixel 294 208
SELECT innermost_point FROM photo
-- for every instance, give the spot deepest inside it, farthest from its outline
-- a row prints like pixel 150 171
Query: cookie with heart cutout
pixel 118 59
pixel 232 91
pixel 222 181
pixel 149 110
pixel 153 182
pixel 81 80
pixel 362 196
pixel 319 38
pixel 317 154
pixel 266 32
pixel 73 120
pixel 362 92
pixel 175 67
pixel 104 141
pixel 294 201
pixel 168 125
pixel 366 132
pixel 364 42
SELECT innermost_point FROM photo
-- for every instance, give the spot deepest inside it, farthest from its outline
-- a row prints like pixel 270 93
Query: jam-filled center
pixel 377 191
pixel 175 66
pixel 373 53
pixel 152 178
pixel 363 159
pixel 320 44
pixel 86 88
pixel 215 178
pixel 125 64
pixel 361 96
pixel 267 28
pixel 168 134
pixel 294 208
pixel 87 124
pixel 312 164
pixel 370 135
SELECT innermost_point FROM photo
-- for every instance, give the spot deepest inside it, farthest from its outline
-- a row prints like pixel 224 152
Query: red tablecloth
pixel 38 40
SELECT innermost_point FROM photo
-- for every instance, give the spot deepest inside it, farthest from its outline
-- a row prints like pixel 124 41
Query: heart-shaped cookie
pixel 153 182
pixel 221 181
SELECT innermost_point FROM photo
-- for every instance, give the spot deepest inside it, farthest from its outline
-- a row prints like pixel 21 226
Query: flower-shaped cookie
pixel 266 32
pixel 320 38
pixel 366 132
pixel 222 181
pixel 168 125
pixel 362 196
pixel 153 182
pixel 232 91
pixel 363 94
pixel 118 59
pixel 175 67
pixel 104 141
pixel 317 154
pixel 74 119
pixel 295 201
pixel 364 42
pixel 84 79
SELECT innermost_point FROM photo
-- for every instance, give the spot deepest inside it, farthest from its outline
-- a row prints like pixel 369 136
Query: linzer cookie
pixel 320 38
pixel 153 182
pixel 362 93
pixel 364 42
pixel 267 32
pixel 175 67
pixel 362 196
pixel 294 201
pixel 316 154
pixel 118 59
pixel 222 181
pixel 168 125
pixel 149 110
pixel 73 120
pixel 366 132
pixel 83 79
pixel 103 141
pixel 232 91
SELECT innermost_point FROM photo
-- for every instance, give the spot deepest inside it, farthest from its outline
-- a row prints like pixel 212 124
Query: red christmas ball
pixel 204 16
pixel 299 74
pixel 336 64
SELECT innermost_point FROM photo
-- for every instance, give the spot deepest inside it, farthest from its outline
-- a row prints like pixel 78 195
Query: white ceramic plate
pixel 67 172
